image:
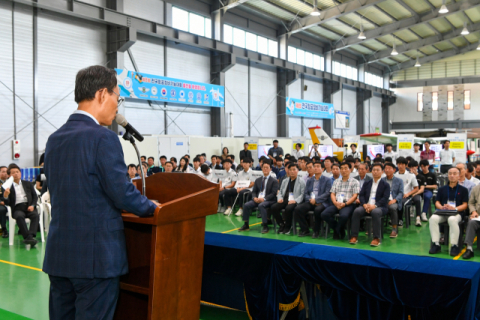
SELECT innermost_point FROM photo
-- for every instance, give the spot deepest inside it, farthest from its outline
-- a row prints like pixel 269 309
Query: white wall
pixel 405 109
pixel 263 101
pixel 350 105
pixel 236 98
pixel 373 114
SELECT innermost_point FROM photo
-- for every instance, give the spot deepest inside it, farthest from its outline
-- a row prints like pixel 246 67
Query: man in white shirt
pixel 227 184
pixel 243 177
pixel 469 174
pixel 462 180
pixel 314 151
pixel 447 157
pixel 206 173
pixel 416 152
pixel 298 153
pixel 310 172
pixel 390 153
pixel 196 165
pixel 328 167
pixel 353 152
pixel 410 188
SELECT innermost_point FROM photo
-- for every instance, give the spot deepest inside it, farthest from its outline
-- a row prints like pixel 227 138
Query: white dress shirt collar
pixel 85 113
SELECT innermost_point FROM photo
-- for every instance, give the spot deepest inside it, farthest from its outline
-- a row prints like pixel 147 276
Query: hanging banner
pixel 458 143
pixel 342 120
pixel 309 109
pixel 405 144
pixel 156 88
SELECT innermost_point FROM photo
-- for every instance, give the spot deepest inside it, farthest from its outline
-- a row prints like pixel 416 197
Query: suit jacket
pixel 381 196
pixel 323 194
pixel 298 190
pixel 397 190
pixel 367 178
pixel 29 189
pixel 86 178
pixel 270 190
pixel 245 154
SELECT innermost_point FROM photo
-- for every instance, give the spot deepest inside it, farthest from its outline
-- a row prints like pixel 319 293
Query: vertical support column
pixel 361 73
pixel 219 64
pixel 386 81
pixel 302 96
pixel 35 87
pixel 283 46
pixel 328 61
pixel 165 72
pixel 362 96
pixel 442 103
pixel 387 101
pixel 329 88
pixel 167 13
pixel 249 99
pixel 427 103
pixel 14 97
pixel 217 24
pixel 458 102
pixel 284 79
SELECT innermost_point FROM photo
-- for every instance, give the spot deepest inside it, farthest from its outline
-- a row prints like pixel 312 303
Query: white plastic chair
pixel 12 223
pixel 47 215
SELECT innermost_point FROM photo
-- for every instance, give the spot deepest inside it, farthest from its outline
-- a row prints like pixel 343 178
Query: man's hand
pixel 156 203
pixel 391 202
pixel 474 215
pixel 6 193
pixel 357 201
pixel 280 201
pixel 292 202
pixel 2 203
pixel 312 201
pixel 222 188
pixel 240 189
pixel 449 207
pixel 256 200
pixel 405 196
pixel 30 209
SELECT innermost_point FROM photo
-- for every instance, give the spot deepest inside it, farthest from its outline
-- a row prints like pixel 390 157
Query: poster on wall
pixel 458 143
pixel 309 109
pixel 342 120
pixel 145 86
pixel 405 144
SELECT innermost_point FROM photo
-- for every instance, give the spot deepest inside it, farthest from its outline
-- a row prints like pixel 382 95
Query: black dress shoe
pixel 31 241
pixel 435 249
pixel 281 229
pixel 468 254
pixel 5 234
pixel 336 236
pixel 315 235
pixel 269 222
pixel 454 251
pixel 342 234
pixel 265 229
pixel 245 227
pixel 304 233
pixel 259 215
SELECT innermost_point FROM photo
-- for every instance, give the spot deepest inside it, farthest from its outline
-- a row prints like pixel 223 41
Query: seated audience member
pixel 214 162
pixel 316 159
pixel 314 151
pixel 353 170
pixel 328 167
pixel 206 173
pixel 22 199
pixel 469 174
pixel 187 156
pixel 290 195
pixel 287 161
pixel 3 209
pixel 409 159
pixel 264 194
pixel 298 152
pixel 132 172
pixel 183 167
pixel 173 160
pixel 145 169
pixel 450 197
pixel 227 185
pixel 245 153
pixel 343 194
pixel 38 180
pixel 368 160
pixel 310 171
pixel 239 168
pixel 477 169
pixel 431 184
pixel 417 198
pixel 204 159
pixel 280 168
pixel 260 163
pixel 302 163
pixel 357 163
pixel 335 172
pixel 163 159
pixel 316 199
pixel 168 166
pixel 143 158
pixel 362 176
pixel 225 153
pixel 234 164
pixel 396 196
pixel 410 188
pixel 374 197
pixel 378 156
pixel 275 151
pixel 218 165
pixel 244 175
pixel 197 166
pixel 462 180
pixel 353 152
pixel 388 160
pixel 473 225
pixel 152 169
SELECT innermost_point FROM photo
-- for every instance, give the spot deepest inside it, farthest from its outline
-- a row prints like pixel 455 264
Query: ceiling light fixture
pixel 465 30
pixel 315 11
pixel 443 8
pixel 394 50
pixel 361 35
pixel 478 48
pixel 417 63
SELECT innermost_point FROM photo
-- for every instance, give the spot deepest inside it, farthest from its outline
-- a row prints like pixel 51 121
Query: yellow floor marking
pixel 463 251
pixel 20 265
pixel 239 228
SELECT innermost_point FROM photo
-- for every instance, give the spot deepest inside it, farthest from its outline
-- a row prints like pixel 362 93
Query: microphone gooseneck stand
pixel 127 136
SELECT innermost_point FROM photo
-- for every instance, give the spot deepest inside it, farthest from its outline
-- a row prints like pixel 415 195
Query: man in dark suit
pixel 86 252
pixel 374 201
pixel 245 153
pixel 264 194
pixel 22 198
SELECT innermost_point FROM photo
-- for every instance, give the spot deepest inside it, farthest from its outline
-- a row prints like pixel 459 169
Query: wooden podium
pixel 165 251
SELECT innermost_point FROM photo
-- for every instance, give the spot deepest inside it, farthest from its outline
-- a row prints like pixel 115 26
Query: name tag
pixel 451 203
pixel 242 184
pixel 312 195
pixel 274 154
pixel 391 197
pixel 340 197
pixel 372 200
pixel 262 195
pixel 290 196
pixel 430 161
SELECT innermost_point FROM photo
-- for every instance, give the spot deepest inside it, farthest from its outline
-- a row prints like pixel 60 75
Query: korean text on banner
pixel 156 88
pixel 310 109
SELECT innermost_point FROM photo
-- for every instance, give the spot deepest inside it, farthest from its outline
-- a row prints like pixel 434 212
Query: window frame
pixel 448 100
pixel 467 106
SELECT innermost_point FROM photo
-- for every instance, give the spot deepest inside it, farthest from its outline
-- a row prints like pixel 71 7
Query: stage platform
pixel 396 280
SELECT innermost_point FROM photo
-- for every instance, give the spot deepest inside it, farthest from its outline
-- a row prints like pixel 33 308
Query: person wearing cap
pixel 275 151
pixel 416 152
pixel 298 153
pixel 390 153
pixel 353 152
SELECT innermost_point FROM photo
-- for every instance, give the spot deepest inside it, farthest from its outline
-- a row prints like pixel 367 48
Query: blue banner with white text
pixel 156 88
pixel 309 109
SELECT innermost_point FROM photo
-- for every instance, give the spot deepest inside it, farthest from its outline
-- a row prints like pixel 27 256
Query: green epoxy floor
pixel 25 290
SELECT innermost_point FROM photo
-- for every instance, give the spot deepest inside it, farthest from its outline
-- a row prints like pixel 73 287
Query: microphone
pixel 120 119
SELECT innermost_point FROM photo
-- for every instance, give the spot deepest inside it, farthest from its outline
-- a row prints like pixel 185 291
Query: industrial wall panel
pixel 236 98
pixel 264 101
pixel 65 45
pixel 295 123
pixel 145 119
pixel 189 63
pixel 350 105
pixel 189 123
pixel 314 93
pixel 374 115
pixel 6 85
pixel 146 9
